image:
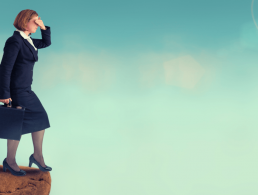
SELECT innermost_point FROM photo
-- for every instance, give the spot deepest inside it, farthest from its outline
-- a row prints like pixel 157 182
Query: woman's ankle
pixel 11 162
pixel 37 156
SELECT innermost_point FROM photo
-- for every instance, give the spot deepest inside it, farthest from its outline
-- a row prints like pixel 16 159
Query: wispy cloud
pixel 91 71
pixel 183 71
pixel 99 71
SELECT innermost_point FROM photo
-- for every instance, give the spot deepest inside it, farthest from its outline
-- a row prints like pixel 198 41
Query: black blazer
pixel 16 68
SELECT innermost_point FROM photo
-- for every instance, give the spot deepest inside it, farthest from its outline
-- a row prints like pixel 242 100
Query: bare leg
pixel 37 138
pixel 11 153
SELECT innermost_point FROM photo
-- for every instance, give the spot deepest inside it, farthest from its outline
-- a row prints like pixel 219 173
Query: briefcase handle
pixel 10 105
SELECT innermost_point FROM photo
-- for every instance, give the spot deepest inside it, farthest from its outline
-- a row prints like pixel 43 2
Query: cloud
pixel 90 71
pixel 96 71
pixel 183 72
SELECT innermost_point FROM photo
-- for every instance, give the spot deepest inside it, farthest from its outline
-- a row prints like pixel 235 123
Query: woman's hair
pixel 23 18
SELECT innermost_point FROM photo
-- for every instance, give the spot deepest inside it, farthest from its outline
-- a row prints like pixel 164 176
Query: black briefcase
pixel 11 119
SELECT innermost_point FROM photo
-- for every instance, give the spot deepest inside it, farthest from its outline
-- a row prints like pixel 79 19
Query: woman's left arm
pixel 46 39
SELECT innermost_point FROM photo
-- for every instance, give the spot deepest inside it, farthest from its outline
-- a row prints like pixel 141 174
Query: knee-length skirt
pixel 35 116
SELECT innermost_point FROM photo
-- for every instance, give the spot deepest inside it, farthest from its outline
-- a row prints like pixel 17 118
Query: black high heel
pixel 16 173
pixel 33 160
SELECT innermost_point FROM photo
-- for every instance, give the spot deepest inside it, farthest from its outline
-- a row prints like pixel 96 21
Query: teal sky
pixel 146 97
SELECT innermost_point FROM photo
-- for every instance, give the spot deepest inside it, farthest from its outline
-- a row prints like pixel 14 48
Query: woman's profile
pixel 16 76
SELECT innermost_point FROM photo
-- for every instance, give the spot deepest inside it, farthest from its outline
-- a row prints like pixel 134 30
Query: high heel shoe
pixel 33 160
pixel 16 173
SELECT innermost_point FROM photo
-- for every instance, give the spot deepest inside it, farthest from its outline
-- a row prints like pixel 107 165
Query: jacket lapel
pixel 32 49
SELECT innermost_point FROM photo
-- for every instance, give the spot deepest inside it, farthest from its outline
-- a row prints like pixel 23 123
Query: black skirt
pixel 35 116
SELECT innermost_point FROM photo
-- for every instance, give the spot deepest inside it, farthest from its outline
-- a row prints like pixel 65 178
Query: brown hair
pixel 23 18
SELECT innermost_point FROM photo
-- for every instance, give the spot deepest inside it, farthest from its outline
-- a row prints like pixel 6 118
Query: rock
pixel 35 182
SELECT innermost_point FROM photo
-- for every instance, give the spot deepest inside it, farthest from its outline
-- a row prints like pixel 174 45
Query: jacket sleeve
pixel 45 41
pixel 11 50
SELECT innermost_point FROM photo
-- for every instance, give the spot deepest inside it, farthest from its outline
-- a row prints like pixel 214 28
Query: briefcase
pixel 11 119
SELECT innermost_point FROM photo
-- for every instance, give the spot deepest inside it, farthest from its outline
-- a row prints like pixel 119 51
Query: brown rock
pixel 35 182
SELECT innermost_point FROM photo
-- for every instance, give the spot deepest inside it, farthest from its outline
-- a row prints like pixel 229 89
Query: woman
pixel 16 75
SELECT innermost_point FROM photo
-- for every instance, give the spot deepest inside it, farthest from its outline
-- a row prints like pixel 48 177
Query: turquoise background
pixel 146 97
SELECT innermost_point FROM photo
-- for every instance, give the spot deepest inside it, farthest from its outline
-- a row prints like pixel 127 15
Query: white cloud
pixel 91 71
pixel 183 72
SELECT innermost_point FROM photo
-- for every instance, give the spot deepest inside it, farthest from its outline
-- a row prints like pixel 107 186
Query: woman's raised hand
pixel 40 23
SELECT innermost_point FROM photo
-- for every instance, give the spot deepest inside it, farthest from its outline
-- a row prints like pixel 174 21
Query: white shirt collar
pixel 23 34
pixel 27 37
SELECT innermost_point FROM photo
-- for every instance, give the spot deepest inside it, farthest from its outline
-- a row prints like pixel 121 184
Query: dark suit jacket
pixel 16 69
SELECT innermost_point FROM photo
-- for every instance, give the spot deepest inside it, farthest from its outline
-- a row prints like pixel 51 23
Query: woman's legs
pixel 12 146
pixel 37 138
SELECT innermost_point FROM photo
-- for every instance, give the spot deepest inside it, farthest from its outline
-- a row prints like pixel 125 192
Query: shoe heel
pixel 16 173
pixel 33 160
pixel 30 163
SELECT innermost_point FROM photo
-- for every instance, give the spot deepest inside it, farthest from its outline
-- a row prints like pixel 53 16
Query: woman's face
pixel 31 25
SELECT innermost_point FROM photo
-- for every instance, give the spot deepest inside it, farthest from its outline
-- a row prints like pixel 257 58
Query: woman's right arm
pixel 11 50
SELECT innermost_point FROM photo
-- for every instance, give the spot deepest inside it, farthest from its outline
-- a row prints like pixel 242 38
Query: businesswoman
pixel 16 76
